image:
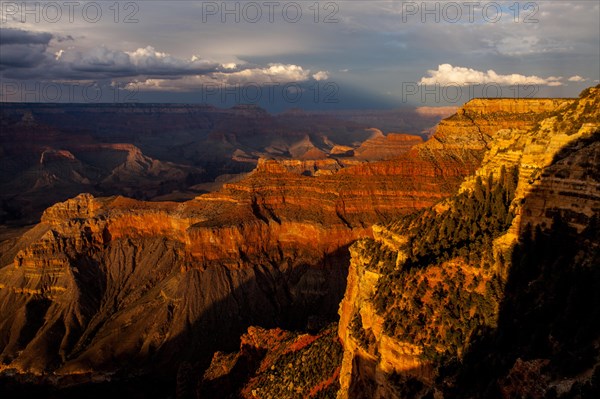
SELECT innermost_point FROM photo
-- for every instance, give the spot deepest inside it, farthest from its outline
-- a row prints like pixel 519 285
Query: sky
pixel 297 54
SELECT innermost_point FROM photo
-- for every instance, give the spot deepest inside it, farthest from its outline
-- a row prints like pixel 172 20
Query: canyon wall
pixel 428 292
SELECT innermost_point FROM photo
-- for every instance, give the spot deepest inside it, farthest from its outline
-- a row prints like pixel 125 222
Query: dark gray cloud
pixel 22 56
pixel 23 49
pixel 66 38
pixel 18 36
pixel 147 67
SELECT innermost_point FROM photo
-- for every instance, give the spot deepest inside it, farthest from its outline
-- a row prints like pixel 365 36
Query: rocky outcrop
pixel 551 146
pixel 371 356
pixel 276 364
pixel 480 119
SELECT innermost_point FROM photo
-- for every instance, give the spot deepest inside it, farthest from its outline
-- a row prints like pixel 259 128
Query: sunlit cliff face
pixel 492 282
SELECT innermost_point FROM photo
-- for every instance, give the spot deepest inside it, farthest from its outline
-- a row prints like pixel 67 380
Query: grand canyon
pixel 333 261
pixel 300 199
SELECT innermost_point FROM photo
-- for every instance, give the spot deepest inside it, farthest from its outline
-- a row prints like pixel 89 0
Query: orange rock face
pixel 380 147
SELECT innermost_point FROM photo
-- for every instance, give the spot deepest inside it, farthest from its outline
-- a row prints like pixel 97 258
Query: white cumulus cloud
pixel 447 75
pixel 144 60
pixel 271 74
pixel 321 75
pixel 577 78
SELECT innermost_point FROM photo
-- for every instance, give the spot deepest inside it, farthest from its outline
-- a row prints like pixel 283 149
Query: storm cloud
pixel 371 48
pixel 22 49
pixel 26 55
